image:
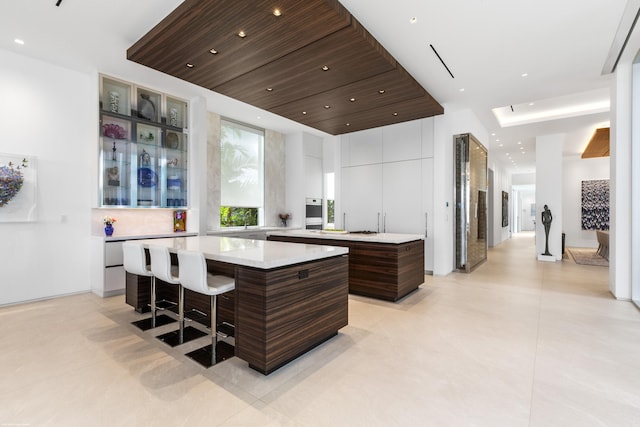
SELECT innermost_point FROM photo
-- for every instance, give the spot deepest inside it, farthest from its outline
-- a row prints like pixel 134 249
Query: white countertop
pixel 393 238
pixel 250 253
pixel 122 237
pixel 250 229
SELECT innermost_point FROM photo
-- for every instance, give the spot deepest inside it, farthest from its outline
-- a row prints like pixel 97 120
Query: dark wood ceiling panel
pixel 412 109
pixel 286 54
pixel 364 93
pixel 300 74
pixel 197 26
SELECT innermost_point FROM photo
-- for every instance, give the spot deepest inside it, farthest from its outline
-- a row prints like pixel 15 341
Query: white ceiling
pixel 488 45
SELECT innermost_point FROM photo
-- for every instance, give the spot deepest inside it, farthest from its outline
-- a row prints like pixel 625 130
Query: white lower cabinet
pixel 401 201
pixel 392 197
pixel 361 198
pixel 427 208
pixel 107 270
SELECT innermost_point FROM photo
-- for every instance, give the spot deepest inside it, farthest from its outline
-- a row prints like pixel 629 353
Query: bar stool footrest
pixel 203 355
pixel 146 324
pixel 173 338
pixel 226 330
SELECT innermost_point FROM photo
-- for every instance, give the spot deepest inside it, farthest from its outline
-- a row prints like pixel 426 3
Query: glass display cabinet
pixel 143 147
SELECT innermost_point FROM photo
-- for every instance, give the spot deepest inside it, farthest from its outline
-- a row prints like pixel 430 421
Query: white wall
pixel 445 127
pixel 620 183
pixel 527 199
pixel 577 170
pixel 548 179
pixel 49 112
pixel 501 182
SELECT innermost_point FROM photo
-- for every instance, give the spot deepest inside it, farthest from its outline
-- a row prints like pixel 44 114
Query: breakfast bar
pixel 288 297
pixel 386 266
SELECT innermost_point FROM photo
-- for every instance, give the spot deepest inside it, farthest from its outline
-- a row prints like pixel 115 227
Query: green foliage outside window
pixel 331 211
pixel 238 217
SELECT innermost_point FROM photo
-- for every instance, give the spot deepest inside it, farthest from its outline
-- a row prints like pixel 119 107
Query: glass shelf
pixel 144 147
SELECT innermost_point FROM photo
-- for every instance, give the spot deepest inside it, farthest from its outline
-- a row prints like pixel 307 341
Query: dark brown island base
pixel 288 298
pixel 386 266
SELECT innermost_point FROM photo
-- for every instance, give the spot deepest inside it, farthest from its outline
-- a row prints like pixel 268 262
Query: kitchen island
pixel 288 298
pixel 386 266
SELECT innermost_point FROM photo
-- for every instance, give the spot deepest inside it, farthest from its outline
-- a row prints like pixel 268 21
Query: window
pixel 242 174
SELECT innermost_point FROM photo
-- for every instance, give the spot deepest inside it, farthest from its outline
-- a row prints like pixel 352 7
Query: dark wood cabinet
pixel 385 271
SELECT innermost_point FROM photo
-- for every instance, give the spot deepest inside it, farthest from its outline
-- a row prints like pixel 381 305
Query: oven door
pixel 313 223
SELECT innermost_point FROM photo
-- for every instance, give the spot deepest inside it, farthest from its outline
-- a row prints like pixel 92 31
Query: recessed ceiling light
pixel 524 74
pixel 395 114
pixel 19 41
pixel 497 140
pixel 348 124
pixel 381 91
pixel 242 34
pixel 304 113
pixel 213 51
pixel 461 89
pixel 269 89
pixel 325 68
pixel 189 65
pixel 413 20
pixel 327 107
pixel 501 145
pixel 519 142
pixel 493 134
pixel 277 12
pixel 352 99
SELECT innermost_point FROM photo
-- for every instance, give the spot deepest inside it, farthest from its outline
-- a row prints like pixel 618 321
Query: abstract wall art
pixel 505 209
pixel 595 204
pixel 17 188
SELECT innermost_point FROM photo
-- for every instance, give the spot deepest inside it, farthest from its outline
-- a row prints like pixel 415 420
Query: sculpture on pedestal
pixel 546 221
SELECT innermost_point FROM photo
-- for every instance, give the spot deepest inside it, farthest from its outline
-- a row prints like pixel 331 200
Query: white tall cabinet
pixel 387 181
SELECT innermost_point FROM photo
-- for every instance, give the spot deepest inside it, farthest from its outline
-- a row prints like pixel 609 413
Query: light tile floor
pixel 515 343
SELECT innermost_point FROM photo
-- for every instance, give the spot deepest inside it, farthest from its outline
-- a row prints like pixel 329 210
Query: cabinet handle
pixel 378 223
pixel 426 225
pixel 344 220
pixel 384 223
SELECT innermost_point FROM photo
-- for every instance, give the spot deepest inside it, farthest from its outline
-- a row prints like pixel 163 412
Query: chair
pixel 194 276
pixel 135 262
pixel 162 269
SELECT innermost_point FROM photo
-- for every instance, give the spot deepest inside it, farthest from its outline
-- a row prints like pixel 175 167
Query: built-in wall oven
pixel 313 220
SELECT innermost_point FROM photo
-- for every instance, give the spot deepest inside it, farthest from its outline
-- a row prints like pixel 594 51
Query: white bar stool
pixel 194 276
pixel 162 269
pixel 135 262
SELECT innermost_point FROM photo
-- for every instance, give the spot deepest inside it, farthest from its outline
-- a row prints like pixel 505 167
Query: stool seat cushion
pixel 194 275
pixel 218 284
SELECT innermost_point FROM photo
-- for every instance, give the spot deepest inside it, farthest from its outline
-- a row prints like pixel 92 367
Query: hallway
pixel 515 343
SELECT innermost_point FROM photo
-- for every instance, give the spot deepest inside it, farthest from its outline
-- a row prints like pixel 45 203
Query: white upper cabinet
pixel 313 177
pixel 427 137
pixel 362 148
pixel 402 141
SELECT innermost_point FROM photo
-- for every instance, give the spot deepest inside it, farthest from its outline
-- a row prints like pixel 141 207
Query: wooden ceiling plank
pixel 286 54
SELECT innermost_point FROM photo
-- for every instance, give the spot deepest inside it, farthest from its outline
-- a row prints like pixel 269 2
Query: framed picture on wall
pixel 17 188
pixel 505 209
pixel 595 204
